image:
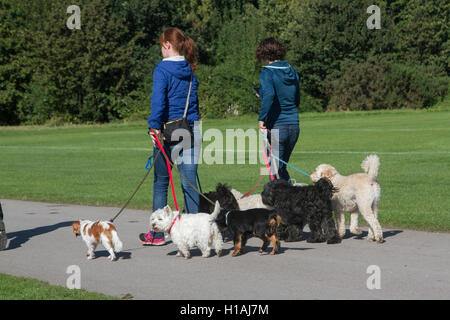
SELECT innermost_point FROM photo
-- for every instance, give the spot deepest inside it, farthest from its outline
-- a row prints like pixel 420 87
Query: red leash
pixel 174 220
pixel 169 168
pixel 248 193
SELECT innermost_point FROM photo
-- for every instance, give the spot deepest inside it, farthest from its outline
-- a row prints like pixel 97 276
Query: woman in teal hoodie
pixel 280 97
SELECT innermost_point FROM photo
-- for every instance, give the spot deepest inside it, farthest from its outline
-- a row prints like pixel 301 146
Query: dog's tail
pixel 215 213
pixel 117 244
pixel 370 165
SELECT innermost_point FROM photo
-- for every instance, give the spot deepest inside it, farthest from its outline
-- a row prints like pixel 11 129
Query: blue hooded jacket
pixel 170 90
pixel 280 95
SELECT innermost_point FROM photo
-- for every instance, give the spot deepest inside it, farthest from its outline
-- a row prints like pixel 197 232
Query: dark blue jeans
pixel 186 160
pixel 286 136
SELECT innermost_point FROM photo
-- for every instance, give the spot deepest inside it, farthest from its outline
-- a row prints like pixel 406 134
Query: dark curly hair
pixel 270 49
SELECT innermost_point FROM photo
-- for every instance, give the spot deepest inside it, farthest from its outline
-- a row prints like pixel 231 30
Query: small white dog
pixel 359 192
pixel 95 232
pixel 189 230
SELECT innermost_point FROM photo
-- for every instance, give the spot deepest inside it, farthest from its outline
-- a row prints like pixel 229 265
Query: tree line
pixel 103 71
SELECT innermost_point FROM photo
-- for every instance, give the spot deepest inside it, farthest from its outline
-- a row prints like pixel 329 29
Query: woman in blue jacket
pixel 171 79
pixel 280 97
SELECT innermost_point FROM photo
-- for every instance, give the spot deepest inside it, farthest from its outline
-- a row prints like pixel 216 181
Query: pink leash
pixel 267 160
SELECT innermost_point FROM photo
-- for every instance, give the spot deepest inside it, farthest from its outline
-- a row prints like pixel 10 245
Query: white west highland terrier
pixel 189 230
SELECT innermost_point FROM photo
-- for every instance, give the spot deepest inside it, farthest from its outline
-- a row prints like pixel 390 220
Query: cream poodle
pixel 359 192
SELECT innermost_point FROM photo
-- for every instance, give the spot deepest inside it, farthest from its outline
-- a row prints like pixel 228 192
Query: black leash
pixel 138 187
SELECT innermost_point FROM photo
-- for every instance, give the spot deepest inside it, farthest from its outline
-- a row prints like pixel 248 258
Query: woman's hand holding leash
pixel 261 125
pixel 155 132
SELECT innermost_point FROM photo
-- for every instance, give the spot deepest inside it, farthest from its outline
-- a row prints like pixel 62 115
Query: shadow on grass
pixel 18 238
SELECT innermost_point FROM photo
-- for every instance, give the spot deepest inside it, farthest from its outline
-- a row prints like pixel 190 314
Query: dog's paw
pixel 356 231
pixel 315 240
pixel 334 240
pixel 236 253
pixel 179 254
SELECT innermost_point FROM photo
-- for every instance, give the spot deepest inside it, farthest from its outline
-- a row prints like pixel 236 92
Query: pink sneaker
pixel 158 242
pixel 149 239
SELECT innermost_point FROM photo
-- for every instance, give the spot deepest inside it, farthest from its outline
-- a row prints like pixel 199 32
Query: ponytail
pixel 189 53
pixel 182 44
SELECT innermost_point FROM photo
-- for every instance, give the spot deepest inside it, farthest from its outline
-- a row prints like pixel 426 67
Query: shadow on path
pixel 386 234
pixel 248 249
pixel 123 255
pixel 20 237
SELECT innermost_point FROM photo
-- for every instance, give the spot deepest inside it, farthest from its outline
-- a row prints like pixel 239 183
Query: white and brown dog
pixel 359 192
pixel 95 232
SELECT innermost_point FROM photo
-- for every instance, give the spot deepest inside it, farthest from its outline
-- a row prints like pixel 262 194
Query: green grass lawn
pixel 102 164
pixel 19 288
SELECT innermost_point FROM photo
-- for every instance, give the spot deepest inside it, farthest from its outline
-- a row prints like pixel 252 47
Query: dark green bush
pixel 379 83
pixel 416 86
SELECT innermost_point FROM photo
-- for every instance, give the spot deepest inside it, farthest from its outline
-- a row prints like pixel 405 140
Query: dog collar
pixel 226 217
pixel 174 220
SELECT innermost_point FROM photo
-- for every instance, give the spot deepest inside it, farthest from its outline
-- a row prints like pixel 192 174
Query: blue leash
pixel 289 165
pixel 148 166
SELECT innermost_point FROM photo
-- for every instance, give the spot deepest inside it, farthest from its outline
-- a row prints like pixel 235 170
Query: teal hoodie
pixel 280 95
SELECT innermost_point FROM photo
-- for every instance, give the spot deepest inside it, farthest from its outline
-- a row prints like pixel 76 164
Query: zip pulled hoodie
pixel 280 95
pixel 171 79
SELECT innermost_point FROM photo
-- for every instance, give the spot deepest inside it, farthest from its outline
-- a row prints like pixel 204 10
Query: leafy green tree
pixel 104 71
pixel 228 89
pixel 423 29
pixel 13 72
pixel 323 34
pixel 81 74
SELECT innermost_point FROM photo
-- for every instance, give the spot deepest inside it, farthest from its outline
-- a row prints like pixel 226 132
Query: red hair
pixel 182 44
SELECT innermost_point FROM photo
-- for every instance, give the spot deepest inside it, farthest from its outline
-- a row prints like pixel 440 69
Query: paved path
pixel 413 265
